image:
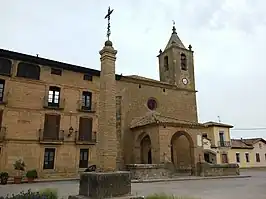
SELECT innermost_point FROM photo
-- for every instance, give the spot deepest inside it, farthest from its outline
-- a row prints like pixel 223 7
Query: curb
pixel 45 180
pixel 188 179
pixel 144 181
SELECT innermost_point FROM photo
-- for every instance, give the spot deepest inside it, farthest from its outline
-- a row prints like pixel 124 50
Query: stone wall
pixel 148 171
pixel 206 169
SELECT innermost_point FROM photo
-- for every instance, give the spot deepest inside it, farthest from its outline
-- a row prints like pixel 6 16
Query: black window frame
pixel 87 77
pixel 2 90
pixel 83 162
pixel 47 154
pixel 86 101
pixel 52 103
pixel 56 71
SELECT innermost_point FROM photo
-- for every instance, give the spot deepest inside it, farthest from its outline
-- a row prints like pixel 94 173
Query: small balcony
pixel 85 140
pixel 52 105
pixel 225 144
pixel 2 133
pixel 46 137
pixel 4 98
pixel 87 108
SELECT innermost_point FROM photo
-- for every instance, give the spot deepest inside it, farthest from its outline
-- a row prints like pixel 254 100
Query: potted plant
pixel 31 175
pixel 19 166
pixel 3 177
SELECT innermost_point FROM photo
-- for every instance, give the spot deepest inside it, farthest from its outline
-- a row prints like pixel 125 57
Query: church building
pixel 53 115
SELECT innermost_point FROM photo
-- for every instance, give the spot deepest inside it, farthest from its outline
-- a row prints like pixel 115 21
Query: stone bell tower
pixel 176 64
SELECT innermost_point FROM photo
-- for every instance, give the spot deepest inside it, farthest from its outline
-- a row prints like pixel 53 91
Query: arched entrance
pixel 182 153
pixel 145 150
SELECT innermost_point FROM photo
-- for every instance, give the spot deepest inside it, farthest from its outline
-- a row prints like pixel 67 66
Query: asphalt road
pixel 241 188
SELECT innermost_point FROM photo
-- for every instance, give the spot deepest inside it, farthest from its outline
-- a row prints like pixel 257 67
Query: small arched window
pixel 5 66
pixel 183 61
pixel 30 71
pixel 166 64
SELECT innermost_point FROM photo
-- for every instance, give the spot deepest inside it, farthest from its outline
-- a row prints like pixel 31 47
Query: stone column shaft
pixel 107 138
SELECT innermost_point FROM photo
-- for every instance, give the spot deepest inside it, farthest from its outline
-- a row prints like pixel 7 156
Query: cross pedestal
pixel 100 185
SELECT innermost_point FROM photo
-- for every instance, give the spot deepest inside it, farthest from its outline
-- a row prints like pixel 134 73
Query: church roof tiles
pixel 153 117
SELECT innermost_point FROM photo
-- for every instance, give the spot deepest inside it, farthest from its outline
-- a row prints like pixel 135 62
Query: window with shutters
pixel 54 96
pixel 84 158
pixel 85 129
pixel 49 157
pixel 2 87
pixel 224 158
pixel 86 100
pixel 238 157
pixel 29 71
pixel 257 157
pixel 247 157
pixel 51 127
pixel 5 66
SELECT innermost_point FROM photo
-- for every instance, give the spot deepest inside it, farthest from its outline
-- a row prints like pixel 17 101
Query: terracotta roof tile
pixel 210 123
pixel 252 141
pixel 238 143
pixel 153 117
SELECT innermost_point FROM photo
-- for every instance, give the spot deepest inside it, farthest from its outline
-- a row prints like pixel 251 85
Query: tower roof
pixel 174 40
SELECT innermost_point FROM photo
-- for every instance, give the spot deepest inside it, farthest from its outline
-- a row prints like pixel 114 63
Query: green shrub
pixel 34 195
pixel 50 193
pixel 32 174
pixel 4 177
pixel 19 165
pixel 165 196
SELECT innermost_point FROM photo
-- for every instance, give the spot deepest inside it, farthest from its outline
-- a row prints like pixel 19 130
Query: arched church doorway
pixel 145 151
pixel 182 152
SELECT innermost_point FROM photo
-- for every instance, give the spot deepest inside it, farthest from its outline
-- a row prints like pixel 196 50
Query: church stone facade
pixel 50 114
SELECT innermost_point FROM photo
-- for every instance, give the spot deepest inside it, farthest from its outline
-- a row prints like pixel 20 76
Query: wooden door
pixel 51 126
pixel 85 129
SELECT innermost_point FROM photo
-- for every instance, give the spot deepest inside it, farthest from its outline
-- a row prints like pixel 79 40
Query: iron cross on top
pixel 108 16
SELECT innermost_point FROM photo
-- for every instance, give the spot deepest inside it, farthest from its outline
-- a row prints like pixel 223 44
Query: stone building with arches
pixel 54 115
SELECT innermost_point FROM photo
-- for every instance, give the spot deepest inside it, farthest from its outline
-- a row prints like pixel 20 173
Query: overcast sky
pixel 228 37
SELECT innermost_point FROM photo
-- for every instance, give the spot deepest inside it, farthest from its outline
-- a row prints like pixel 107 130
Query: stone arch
pixel 27 70
pixel 143 146
pixel 182 151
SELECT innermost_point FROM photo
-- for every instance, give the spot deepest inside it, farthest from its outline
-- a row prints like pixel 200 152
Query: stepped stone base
pixel 99 185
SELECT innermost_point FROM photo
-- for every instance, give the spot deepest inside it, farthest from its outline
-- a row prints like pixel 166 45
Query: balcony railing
pixel 224 144
pixel 88 108
pixel 80 139
pixel 47 137
pixel 2 133
pixel 49 105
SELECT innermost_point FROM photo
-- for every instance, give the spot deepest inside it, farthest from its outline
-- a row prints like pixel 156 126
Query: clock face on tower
pixel 185 81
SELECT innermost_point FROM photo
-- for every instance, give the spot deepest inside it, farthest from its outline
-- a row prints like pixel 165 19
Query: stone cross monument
pixel 107 139
pixel 106 182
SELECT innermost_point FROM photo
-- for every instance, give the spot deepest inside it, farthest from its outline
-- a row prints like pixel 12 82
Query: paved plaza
pixel 241 188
